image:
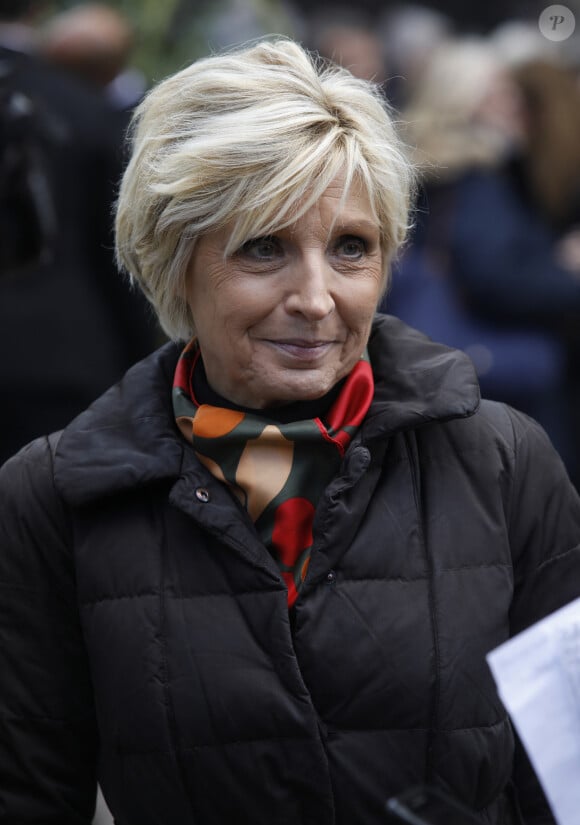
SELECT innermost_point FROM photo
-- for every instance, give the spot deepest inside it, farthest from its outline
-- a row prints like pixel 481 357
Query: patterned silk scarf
pixel 277 471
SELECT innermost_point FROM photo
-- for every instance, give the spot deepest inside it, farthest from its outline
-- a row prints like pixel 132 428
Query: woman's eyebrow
pixel 352 222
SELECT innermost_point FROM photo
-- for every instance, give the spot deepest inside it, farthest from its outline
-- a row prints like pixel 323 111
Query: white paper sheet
pixel 538 678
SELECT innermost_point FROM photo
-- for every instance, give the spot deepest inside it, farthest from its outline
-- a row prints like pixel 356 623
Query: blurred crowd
pixel 492 265
pixel 69 324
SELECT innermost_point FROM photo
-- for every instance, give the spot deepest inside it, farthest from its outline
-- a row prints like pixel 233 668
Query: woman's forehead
pixel 339 203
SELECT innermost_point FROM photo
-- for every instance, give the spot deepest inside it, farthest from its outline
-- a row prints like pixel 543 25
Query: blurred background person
pixel 482 270
pixel 18 24
pixel 347 39
pixel 551 174
pixel 95 42
pixel 410 33
pixel 69 325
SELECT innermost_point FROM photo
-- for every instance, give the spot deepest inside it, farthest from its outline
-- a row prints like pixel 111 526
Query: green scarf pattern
pixel 277 471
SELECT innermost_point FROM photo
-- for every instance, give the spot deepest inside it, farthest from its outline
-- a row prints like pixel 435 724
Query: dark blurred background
pixel 173 31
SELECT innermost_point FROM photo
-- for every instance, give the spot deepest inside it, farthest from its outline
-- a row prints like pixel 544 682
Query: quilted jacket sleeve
pixel 544 518
pixel 47 727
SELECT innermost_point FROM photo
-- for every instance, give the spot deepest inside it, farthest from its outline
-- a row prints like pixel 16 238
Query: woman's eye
pixel 261 248
pixel 351 247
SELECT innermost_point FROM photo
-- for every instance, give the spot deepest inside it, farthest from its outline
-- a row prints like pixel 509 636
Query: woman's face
pixel 286 316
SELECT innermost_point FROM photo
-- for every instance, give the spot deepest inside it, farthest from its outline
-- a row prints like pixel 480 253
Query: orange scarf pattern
pixel 277 471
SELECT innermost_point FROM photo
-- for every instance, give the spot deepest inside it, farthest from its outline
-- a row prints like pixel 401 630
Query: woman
pixel 256 581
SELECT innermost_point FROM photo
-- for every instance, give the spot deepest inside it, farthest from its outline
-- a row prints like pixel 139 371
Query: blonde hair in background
pixel 252 136
pixel 442 121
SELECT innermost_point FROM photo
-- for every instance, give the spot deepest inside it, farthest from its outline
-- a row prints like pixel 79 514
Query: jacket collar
pixel 128 437
pixel 417 381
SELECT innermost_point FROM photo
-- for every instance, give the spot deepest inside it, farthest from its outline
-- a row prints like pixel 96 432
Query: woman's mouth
pixel 302 349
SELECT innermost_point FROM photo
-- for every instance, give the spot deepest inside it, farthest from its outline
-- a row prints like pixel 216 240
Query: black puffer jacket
pixel 131 575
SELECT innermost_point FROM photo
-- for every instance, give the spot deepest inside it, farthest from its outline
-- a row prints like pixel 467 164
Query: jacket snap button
pixel 202 495
pixel 331 577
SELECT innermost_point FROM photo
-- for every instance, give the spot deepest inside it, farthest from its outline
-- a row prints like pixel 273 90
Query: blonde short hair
pixel 252 136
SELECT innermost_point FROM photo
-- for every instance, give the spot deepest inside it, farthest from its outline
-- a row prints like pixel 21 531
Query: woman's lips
pixel 301 349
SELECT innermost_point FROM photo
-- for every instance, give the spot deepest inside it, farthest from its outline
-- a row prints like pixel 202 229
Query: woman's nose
pixel 310 292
